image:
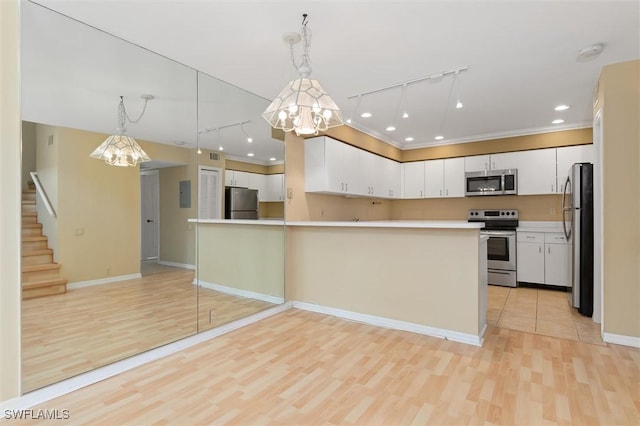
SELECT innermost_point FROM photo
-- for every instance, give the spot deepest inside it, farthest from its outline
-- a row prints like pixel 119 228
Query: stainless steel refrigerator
pixel 577 221
pixel 240 203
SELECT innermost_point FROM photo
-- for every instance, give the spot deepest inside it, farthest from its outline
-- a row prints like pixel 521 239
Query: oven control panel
pixel 493 214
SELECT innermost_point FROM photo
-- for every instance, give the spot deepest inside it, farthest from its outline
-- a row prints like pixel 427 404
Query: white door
pixel 149 215
pixel 210 193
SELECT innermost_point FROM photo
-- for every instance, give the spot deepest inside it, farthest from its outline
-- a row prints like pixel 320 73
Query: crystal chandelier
pixel 120 149
pixel 303 105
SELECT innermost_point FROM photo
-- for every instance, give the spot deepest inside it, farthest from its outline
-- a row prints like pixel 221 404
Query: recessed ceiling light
pixel 439 138
pixel 250 154
pixel 220 149
pixel 558 121
pixel 405 115
pixel 366 115
pixel 390 128
pixel 249 140
pixel 272 159
pixel 459 104
pixel 562 107
pixel 409 139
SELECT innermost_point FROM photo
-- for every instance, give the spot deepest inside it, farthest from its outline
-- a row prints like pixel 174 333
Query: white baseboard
pixel 176 264
pixel 620 339
pixel 66 386
pixel 238 292
pixel 109 280
pixel 393 324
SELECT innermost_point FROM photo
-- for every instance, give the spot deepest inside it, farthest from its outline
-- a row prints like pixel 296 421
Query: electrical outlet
pixel 107 272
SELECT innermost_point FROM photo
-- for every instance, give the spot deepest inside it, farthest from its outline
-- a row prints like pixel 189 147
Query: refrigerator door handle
pixel 567 232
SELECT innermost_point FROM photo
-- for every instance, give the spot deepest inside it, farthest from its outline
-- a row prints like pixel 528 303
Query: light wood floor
pixel 69 334
pixel 539 311
pixel 306 368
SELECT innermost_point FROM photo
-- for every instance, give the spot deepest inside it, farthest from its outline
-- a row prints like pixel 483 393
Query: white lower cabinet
pixel 543 258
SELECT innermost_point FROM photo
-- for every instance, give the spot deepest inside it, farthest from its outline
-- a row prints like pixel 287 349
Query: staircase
pixel 40 274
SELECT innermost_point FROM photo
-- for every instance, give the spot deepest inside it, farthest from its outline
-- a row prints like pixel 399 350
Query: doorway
pixel 210 193
pixel 149 215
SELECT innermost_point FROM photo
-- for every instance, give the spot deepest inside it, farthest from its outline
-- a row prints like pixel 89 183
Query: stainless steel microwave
pixel 491 182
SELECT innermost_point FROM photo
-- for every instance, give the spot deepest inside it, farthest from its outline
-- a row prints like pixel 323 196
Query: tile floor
pixel 539 311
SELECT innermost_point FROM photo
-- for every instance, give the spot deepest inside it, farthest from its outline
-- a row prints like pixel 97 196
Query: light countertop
pixel 261 222
pixel 423 224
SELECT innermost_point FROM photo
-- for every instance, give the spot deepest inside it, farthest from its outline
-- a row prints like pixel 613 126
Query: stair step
pixel 43 272
pixel 34 238
pixel 44 288
pixel 28 231
pixel 31 225
pixel 27 202
pixel 43 283
pixel 28 191
pixel 29 214
pixel 35 243
pixel 29 219
pixel 37 257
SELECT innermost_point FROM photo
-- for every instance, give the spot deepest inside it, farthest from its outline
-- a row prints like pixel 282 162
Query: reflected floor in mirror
pixel 86 328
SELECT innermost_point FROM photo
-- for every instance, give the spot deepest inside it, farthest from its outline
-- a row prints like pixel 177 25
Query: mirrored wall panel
pixel 240 268
pixel 108 252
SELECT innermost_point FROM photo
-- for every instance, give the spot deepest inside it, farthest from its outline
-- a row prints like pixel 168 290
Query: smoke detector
pixel 590 52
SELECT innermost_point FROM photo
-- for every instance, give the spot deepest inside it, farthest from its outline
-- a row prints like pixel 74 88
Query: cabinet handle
pixel 346 187
pixel 549 249
pixel 447 192
pixel 441 192
pixel 493 165
pixel 421 193
pixel 540 249
pixel 552 188
pixel 342 186
pixel 529 236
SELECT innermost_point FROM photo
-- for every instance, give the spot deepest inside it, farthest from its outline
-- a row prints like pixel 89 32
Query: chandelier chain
pixel 124 117
pixel 306 44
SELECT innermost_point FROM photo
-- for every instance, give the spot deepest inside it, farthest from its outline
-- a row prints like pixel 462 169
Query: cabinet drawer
pixel 530 237
pixel 555 238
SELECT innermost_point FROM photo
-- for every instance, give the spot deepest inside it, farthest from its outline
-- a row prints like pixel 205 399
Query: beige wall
pixel 10 129
pixel 100 202
pixel 177 235
pixel 619 98
pixel 28 151
pixel 531 207
pixel 423 276
pixel 245 257
pixel 47 168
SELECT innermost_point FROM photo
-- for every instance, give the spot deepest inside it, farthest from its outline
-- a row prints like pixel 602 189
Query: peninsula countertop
pixel 424 224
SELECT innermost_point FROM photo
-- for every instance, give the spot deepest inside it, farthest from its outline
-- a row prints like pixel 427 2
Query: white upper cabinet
pixel 433 178
pixel 259 182
pixel 444 178
pixel 477 163
pixel 454 177
pixel 236 178
pixel 413 180
pixel 275 187
pixel 337 168
pixel 566 157
pixel 536 169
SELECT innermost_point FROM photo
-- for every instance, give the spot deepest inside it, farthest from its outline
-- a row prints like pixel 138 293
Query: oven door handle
pixel 500 233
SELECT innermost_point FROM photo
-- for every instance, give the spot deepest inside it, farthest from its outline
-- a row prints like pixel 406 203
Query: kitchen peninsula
pixel 427 277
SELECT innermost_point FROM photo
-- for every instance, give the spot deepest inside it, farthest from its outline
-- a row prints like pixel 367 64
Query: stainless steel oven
pixel 500 227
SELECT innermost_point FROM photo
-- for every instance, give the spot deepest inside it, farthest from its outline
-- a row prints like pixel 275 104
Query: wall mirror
pixel 113 270
pixel 245 274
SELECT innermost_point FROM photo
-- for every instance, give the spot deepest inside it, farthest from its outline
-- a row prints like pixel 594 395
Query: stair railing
pixel 42 193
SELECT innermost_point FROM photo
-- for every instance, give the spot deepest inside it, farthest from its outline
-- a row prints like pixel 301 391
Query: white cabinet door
pixel 259 182
pixel 566 157
pixel 371 175
pixel 323 165
pixel 454 177
pixel 433 178
pixel 275 187
pixel 334 163
pixel 389 179
pixel 557 259
pixel 228 178
pixel 536 169
pixel 477 163
pixel 236 178
pixel 530 260
pixel 413 180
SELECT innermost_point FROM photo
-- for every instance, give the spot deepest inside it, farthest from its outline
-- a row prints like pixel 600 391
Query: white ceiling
pixel 522 55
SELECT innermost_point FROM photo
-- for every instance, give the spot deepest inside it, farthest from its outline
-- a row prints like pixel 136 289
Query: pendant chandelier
pixel 119 149
pixel 303 105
